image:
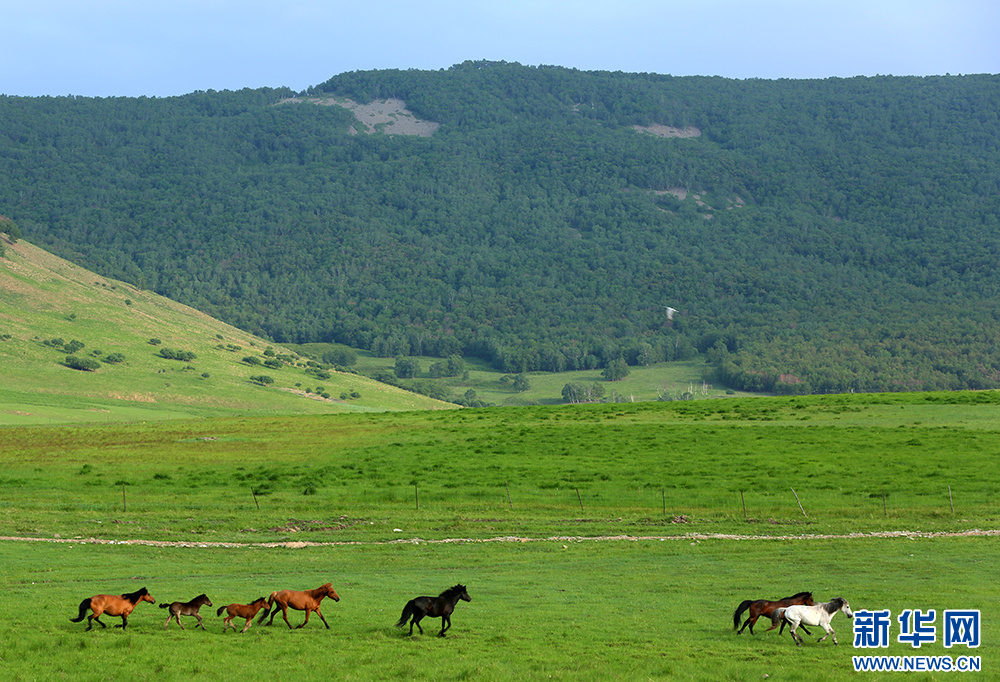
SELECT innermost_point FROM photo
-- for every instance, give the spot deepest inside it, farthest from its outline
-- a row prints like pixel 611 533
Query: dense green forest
pixel 812 235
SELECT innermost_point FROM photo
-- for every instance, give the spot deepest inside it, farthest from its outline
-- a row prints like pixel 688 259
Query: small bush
pixel 176 354
pixel 82 364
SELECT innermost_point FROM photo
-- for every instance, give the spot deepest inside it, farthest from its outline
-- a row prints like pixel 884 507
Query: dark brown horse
pixel 186 608
pixel 442 605
pixel 307 601
pixel 248 611
pixel 113 605
pixel 763 607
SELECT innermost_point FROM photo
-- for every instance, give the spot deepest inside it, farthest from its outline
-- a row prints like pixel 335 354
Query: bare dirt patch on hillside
pixel 389 116
pixel 668 131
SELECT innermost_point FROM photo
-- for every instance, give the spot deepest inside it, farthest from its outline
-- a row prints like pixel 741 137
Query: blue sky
pixel 172 47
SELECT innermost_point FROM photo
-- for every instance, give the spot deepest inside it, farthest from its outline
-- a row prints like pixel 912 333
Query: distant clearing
pixel 668 131
pixel 389 116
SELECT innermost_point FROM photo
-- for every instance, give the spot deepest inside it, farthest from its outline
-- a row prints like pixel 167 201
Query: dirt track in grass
pixel 690 537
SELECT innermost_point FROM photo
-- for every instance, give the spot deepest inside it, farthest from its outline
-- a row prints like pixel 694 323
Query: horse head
pixel 148 597
pixel 464 596
pixel 330 592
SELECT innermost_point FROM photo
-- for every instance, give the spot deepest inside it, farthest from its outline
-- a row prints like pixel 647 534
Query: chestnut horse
pixel 188 608
pixel 248 611
pixel 307 601
pixel 763 607
pixel 113 605
pixel 442 605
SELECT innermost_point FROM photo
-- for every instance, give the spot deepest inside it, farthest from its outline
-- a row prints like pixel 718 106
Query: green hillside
pixel 49 307
pixel 811 236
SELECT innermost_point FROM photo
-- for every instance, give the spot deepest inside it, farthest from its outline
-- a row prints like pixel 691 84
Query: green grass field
pixel 367 501
pixel 561 610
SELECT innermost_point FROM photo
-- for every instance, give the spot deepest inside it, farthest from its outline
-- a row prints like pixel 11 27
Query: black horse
pixel 443 606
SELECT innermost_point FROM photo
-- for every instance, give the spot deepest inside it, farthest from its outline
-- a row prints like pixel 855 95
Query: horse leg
pixel 745 624
pixel 308 611
pixel 416 621
pixel 200 622
pixel 752 620
pixel 444 619
pixel 124 622
pixel 795 635
pixel 178 616
pixel 322 619
pixel 247 626
pixel 170 617
pixel 829 631
pixel 284 614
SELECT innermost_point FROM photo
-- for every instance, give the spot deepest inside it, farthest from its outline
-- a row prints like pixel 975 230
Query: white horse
pixel 818 614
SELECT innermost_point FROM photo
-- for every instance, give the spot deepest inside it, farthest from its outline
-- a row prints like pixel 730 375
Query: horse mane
pixel 451 591
pixel 834 605
pixel 797 596
pixel 134 597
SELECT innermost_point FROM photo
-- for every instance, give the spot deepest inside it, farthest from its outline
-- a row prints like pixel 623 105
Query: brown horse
pixel 248 611
pixel 441 606
pixel 307 601
pixel 113 605
pixel 762 607
pixel 186 608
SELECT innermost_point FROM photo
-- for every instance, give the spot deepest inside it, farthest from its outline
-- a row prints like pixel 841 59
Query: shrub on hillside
pixel 83 364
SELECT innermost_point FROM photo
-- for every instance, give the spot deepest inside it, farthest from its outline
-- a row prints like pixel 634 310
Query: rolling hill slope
pixel 49 307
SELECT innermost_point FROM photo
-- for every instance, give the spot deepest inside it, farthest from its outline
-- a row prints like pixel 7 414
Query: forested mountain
pixel 821 235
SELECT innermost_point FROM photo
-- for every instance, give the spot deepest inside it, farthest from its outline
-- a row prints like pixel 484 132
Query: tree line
pixel 818 235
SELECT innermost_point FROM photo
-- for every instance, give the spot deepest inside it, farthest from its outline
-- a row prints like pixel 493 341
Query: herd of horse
pixel 122 606
pixel 795 611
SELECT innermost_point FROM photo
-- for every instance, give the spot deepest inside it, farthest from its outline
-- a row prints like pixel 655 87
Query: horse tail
pixel 164 606
pixel 84 605
pixel 270 603
pixel 778 617
pixel 407 612
pixel 221 609
pixel 739 611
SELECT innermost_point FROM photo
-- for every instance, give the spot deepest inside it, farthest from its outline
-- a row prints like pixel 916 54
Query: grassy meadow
pixel 559 610
pixel 511 502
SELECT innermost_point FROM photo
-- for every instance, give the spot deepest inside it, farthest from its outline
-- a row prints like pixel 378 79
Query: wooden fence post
pixel 800 504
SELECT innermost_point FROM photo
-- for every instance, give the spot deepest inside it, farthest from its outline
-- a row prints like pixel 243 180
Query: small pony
pixel 248 611
pixel 113 605
pixel 763 607
pixel 307 601
pixel 818 614
pixel 442 605
pixel 189 608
